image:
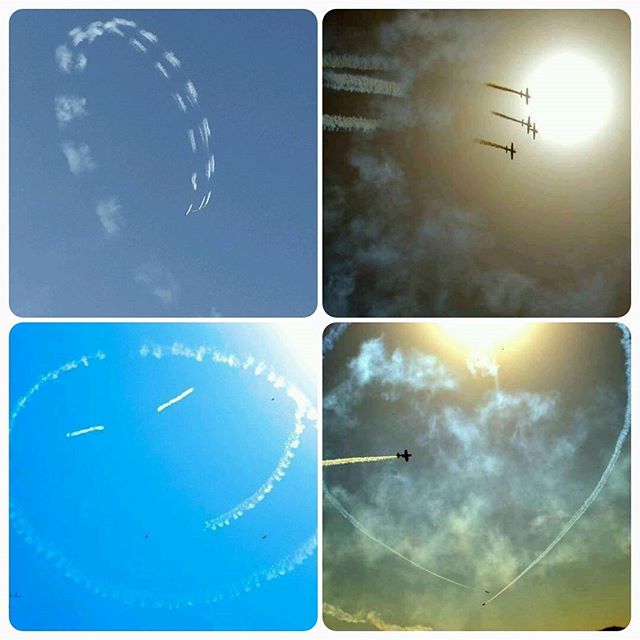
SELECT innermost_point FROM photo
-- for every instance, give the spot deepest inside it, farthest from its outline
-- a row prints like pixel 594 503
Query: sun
pixel 482 338
pixel 571 98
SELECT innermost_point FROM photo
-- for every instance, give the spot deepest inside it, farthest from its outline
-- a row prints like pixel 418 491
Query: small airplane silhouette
pixel 525 95
pixel 487 591
pixel 530 127
pixel 406 455
pixel 264 536
pixel 146 536
pixel 510 150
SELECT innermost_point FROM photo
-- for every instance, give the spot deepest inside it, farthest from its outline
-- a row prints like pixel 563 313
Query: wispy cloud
pixel 159 281
pixel 68 61
pixel 69 108
pixel 110 213
pixel 78 156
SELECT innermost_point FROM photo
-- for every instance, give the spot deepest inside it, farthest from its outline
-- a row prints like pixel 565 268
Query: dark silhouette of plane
pixel 530 127
pixel 487 591
pixel 146 536
pixel 525 95
pixel 406 455
pixel 510 150
pixel 264 536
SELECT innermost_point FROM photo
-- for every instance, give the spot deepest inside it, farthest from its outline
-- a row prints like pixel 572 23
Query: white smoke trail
pixel 171 58
pixel 83 361
pixel 81 432
pixel 361 84
pixel 366 617
pixel 358 525
pixel 339 461
pixel 180 396
pixel 133 597
pixel 304 412
pixel 70 58
pixel 192 139
pixel 349 123
pixel 622 436
pixel 160 67
pixel 361 63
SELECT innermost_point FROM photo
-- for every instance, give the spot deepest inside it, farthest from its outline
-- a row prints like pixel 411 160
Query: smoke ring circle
pixel 139 597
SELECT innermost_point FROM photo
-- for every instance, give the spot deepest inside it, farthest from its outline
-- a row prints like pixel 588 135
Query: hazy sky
pixel 420 221
pixel 102 166
pixel 108 519
pixel 498 467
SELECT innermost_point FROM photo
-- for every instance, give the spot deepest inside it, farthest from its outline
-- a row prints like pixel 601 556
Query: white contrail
pixel 136 44
pixel 622 436
pixel 192 140
pixel 81 432
pixel 180 396
pixel 358 525
pixel 361 63
pixel 304 412
pixel 361 84
pixel 349 123
pixel 160 67
pixel 171 58
pixel 337 461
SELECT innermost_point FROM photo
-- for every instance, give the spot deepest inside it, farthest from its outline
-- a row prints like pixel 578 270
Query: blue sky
pixel 126 507
pixel 112 238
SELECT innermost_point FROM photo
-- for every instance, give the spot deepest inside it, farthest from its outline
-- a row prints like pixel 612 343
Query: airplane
pixel 525 95
pixel 406 455
pixel 510 150
pixel 487 591
pixel 530 127
pixel 264 536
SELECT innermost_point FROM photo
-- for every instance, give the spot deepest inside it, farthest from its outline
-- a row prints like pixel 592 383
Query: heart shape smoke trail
pixel 71 57
pixel 625 340
pixel 304 412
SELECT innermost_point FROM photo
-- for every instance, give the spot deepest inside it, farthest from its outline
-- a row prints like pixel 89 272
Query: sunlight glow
pixel 571 98
pixel 483 338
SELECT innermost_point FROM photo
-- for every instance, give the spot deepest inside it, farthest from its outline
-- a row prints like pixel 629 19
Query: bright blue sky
pixel 94 497
pixel 251 252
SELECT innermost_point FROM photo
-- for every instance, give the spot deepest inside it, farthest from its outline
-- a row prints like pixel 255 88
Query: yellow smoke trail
pixel 337 461
pixel 489 144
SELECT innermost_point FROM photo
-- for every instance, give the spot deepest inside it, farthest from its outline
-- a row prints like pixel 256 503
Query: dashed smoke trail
pixel 339 461
pixel 304 413
pixel 349 123
pixel 358 525
pixel 71 58
pixel 81 432
pixel 180 396
pixel 501 88
pixel 361 84
pixel 361 63
pixel 622 436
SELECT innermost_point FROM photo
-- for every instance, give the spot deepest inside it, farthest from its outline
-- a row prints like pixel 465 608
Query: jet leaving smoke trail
pixel 361 63
pixel 349 123
pixel 179 397
pixel 356 523
pixel 81 432
pixel 337 461
pixel 361 84
pixel 622 436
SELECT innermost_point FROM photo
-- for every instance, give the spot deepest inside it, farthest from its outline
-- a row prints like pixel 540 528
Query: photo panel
pixel 476 163
pixel 476 477
pixel 162 477
pixel 163 163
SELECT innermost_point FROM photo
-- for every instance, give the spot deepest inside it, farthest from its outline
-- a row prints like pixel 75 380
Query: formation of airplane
pixel 406 455
pixel 531 127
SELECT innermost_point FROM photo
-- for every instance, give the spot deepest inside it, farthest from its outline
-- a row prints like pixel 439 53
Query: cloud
pixel 159 281
pixel 109 212
pixel 68 61
pixel 79 157
pixel 69 108
pixel 366 617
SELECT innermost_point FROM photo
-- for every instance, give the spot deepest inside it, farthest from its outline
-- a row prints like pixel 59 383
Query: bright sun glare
pixel 481 338
pixel 570 98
